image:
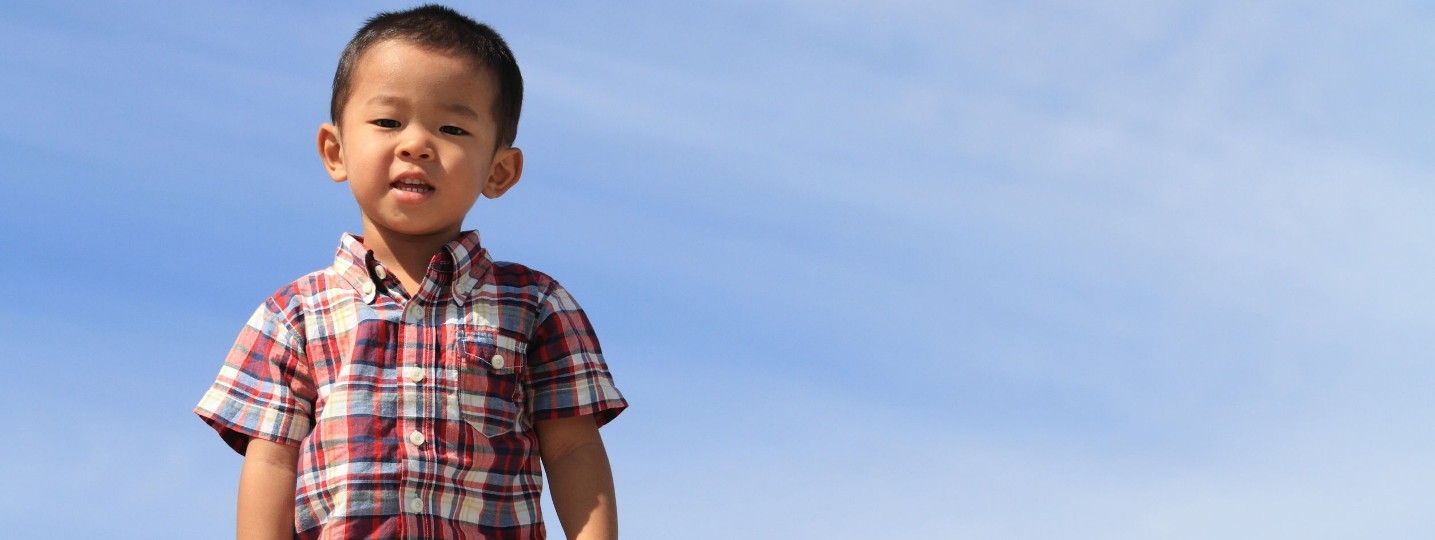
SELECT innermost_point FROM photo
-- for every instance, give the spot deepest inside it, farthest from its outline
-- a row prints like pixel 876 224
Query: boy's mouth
pixel 411 185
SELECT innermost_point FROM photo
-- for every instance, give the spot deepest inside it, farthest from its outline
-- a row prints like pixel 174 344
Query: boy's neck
pixel 407 256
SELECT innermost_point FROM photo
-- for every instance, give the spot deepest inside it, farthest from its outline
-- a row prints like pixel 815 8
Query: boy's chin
pixel 412 230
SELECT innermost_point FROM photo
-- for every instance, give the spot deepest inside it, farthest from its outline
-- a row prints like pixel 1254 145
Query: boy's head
pixel 442 30
pixel 425 110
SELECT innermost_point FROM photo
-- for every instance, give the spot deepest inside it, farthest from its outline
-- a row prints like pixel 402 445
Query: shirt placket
pixel 416 363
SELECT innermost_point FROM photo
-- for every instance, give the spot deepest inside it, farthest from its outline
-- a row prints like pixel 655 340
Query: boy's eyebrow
pixel 458 108
pixel 462 109
pixel 385 100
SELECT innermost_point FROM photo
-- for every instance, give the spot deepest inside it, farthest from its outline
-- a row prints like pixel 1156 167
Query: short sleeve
pixel 566 371
pixel 265 388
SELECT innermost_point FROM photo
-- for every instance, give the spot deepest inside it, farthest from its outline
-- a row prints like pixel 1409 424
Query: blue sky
pixel 902 270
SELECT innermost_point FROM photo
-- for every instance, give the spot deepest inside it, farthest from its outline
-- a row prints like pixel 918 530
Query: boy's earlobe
pixel 331 151
pixel 507 169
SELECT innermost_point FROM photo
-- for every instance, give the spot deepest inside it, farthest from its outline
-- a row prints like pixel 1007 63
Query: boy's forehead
pixel 457 107
pixel 403 51
pixel 373 68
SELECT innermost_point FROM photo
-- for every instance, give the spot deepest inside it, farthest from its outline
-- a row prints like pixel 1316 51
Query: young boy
pixel 409 390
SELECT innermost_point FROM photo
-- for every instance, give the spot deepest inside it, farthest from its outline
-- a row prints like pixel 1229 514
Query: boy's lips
pixel 411 188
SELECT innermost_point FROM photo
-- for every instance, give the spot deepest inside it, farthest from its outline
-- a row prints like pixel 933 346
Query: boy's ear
pixel 507 168
pixel 332 152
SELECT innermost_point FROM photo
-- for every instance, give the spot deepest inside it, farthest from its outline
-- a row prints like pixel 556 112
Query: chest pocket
pixel 490 391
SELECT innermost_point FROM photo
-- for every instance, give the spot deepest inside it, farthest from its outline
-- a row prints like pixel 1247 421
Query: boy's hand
pixel 266 491
pixel 580 477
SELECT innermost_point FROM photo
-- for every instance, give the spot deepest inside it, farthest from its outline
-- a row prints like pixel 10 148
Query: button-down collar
pixel 459 267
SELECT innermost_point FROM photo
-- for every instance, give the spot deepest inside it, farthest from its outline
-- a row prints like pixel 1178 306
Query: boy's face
pixel 417 141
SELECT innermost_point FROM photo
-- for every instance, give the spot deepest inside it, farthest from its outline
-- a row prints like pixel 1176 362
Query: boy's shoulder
pixel 309 291
pixel 512 274
pixel 519 285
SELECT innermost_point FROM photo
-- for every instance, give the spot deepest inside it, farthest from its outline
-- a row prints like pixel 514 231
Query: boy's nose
pixel 415 149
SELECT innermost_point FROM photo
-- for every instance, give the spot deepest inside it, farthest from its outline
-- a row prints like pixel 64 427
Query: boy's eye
pixel 386 123
pixel 453 130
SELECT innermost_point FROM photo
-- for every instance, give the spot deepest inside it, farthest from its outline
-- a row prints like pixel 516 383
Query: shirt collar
pixel 460 266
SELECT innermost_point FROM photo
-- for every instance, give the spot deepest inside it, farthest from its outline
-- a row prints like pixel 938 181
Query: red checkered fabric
pixel 413 415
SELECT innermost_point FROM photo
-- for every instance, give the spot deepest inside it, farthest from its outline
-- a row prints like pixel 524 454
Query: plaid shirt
pixel 413 416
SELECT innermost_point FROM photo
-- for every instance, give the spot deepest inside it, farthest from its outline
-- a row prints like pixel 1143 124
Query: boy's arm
pixel 266 491
pixel 580 477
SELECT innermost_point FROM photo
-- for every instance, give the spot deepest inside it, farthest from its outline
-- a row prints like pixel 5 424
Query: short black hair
pixel 447 31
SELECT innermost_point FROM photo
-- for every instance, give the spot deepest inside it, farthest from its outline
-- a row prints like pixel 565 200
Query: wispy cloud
pixel 1109 269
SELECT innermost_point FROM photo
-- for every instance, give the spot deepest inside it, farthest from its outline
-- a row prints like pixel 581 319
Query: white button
pixel 415 374
pixel 414 313
pixel 368 288
pixel 463 290
pixel 497 361
pixel 416 438
pixel 379 271
pixel 415 505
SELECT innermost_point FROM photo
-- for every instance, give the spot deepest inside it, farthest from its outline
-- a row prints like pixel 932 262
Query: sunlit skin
pixel 417 144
